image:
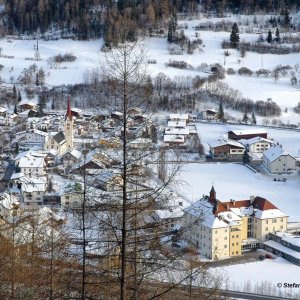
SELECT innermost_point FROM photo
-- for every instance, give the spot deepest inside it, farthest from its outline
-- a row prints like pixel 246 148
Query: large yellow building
pixel 225 229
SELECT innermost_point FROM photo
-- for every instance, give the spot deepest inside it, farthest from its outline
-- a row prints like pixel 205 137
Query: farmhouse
pixel 247 134
pixel 227 150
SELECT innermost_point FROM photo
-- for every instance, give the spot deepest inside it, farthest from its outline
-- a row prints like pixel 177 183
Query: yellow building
pixel 226 229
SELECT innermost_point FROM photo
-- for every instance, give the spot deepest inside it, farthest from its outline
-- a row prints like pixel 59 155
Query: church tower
pixel 212 195
pixel 69 124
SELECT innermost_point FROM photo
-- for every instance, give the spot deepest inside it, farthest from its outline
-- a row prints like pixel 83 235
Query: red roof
pixel 262 204
pixel 258 203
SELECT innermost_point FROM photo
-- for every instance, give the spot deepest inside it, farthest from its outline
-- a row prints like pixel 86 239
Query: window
pixel 232 244
pixel 225 246
pixel 216 231
pixel 266 229
pixel 237 243
pixel 237 236
pixel 237 252
pixel 281 220
pixel 266 221
pixel 274 221
pixel 225 238
pixel 281 227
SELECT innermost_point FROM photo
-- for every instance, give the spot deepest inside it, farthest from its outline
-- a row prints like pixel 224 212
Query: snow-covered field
pixel 235 181
pixel 263 277
pixel 89 56
pixel 289 139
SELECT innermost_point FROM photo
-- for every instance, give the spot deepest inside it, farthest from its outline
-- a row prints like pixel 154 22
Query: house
pixel 32 189
pixel 247 134
pixel 225 229
pixel 32 166
pixel 277 160
pixel 257 144
pixel 180 117
pixel 209 114
pixel 57 142
pixel 31 138
pixel 27 106
pixel 141 143
pixel 108 180
pixel 174 140
pixel 230 150
pixel 71 158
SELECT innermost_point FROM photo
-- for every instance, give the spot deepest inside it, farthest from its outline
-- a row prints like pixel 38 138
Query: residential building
pixel 209 114
pixel 247 134
pixel 230 150
pixel 32 166
pixel 277 160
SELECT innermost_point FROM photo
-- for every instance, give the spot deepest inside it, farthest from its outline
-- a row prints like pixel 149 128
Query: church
pixel 62 141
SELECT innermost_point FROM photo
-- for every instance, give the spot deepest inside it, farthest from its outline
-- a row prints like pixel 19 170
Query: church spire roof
pixel 69 113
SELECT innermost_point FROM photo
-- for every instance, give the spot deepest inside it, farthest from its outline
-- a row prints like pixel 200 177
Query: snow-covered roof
pixel 177 123
pixel 290 238
pixel 275 152
pixel 179 116
pixel 172 130
pixel 29 153
pixel 249 131
pixel 202 209
pixel 228 142
pixel 283 249
pixel 269 214
pixel 174 138
pixel 255 140
pixel 29 161
pixel 3 110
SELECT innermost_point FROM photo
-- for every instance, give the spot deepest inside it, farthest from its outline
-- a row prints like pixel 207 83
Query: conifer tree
pixel 253 121
pixel 269 38
pixel 277 34
pixel 221 112
pixel 234 36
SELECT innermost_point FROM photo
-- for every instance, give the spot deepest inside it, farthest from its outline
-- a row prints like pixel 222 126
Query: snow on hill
pixel 89 56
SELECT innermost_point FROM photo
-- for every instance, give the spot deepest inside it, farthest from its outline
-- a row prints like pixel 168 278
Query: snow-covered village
pixel 158 159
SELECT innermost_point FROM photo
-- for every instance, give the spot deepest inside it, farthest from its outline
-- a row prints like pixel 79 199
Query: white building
pixel 257 144
pixel 277 160
pixel 32 166
pixel 30 138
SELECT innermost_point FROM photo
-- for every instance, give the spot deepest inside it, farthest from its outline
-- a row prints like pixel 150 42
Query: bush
pixel 68 57
pixel 178 64
pixel 245 71
pixel 230 71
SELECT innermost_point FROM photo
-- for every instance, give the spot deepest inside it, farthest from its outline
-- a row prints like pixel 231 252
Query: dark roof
pixel 262 204
pixel 59 137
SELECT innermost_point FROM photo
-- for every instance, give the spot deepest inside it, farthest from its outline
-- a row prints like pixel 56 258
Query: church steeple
pixel 69 113
pixel 212 195
pixel 69 124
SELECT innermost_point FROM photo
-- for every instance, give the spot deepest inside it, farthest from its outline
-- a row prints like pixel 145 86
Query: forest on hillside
pixel 88 19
